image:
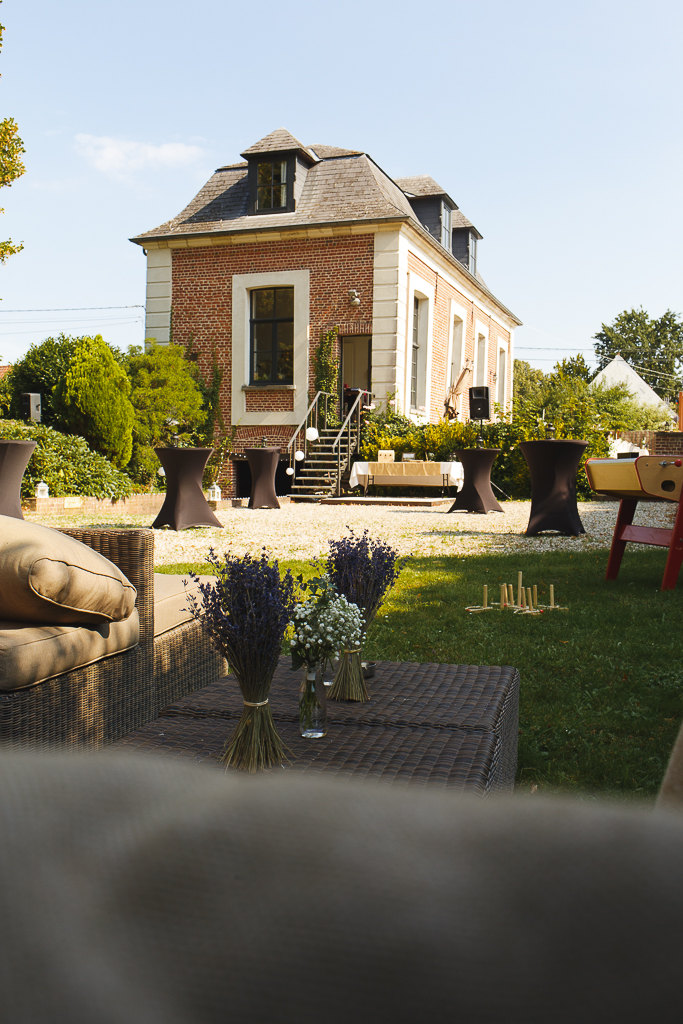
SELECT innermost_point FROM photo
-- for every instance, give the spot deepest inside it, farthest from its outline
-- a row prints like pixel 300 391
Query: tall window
pixel 272 336
pixel 416 349
pixel 502 368
pixel 456 359
pixel 472 263
pixel 481 361
pixel 271 185
pixel 446 226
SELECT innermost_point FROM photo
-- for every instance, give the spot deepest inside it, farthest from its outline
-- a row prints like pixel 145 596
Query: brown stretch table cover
pixel 553 466
pixel 401 733
pixel 263 466
pixel 476 494
pixel 14 458
pixel 185 504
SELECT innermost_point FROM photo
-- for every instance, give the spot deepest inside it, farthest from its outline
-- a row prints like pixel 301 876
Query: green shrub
pixel 66 464
pixel 168 403
pixel 92 400
pixel 437 441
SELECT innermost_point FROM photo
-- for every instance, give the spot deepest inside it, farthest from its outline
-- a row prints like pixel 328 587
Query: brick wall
pixel 202 293
pixel 657 442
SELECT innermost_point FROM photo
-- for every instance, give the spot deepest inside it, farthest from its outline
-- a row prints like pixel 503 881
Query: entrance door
pixel 356 367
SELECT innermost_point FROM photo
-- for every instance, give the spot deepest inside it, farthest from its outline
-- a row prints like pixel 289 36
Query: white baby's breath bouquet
pixel 324 624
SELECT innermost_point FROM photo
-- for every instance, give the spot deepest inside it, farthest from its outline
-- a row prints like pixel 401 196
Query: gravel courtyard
pixel 301 531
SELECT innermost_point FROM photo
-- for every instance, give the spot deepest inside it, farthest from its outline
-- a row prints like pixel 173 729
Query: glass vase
pixel 312 703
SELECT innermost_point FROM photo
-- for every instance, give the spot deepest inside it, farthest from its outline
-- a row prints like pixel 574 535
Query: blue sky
pixel 556 129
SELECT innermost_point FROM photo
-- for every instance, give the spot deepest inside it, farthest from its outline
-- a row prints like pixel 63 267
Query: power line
pixel 68 309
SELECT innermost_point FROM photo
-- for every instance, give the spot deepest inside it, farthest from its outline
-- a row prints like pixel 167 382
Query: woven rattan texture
pixel 445 757
pixel 97 705
pixel 470 697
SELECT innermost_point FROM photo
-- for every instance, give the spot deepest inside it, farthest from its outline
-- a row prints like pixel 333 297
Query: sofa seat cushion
pixel 170 600
pixel 48 578
pixel 30 654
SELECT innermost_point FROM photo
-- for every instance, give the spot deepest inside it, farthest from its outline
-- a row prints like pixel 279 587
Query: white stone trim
pixel 241 285
pixel 159 296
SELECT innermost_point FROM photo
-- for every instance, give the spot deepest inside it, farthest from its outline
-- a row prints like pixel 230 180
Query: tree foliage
pixel 93 400
pixel 11 165
pixel 40 370
pixel 653 347
pixel 168 403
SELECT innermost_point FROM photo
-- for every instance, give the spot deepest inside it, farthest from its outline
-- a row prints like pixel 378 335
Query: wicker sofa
pixel 101 702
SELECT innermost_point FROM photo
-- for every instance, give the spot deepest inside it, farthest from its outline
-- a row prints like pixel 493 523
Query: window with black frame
pixel 272 336
pixel 271 185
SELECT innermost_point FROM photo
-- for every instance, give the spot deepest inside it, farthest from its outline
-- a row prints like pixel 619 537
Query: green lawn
pixel 602 684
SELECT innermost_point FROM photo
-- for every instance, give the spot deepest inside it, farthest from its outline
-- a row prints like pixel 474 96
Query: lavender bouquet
pixel 363 570
pixel 245 614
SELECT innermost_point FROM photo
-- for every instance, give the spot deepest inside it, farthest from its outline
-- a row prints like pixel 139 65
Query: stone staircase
pixel 316 477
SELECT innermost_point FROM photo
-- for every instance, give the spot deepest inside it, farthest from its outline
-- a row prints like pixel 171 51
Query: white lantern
pixel 299 456
pixel 312 434
pixel 214 492
pixel 42 490
pixel 290 471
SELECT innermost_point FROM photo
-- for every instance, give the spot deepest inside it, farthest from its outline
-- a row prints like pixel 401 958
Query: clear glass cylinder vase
pixel 312 703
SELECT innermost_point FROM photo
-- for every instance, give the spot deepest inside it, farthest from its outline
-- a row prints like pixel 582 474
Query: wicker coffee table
pixel 443 724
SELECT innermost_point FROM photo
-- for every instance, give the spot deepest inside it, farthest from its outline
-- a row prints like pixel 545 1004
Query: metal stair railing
pixel 311 419
pixel 346 425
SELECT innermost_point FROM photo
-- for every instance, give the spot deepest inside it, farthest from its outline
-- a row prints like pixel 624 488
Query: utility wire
pixel 67 309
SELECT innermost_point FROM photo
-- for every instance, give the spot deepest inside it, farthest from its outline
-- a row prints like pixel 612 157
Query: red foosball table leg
pixel 627 510
pixel 674 559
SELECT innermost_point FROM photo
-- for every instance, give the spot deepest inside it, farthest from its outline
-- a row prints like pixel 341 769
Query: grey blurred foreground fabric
pixel 140 891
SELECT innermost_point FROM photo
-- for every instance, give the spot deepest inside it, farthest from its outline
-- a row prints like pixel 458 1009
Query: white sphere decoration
pixel 299 456
pixel 312 434
pixel 290 471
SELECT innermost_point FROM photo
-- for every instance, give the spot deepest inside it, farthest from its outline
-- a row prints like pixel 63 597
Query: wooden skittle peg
pixel 520 589
pixel 529 601
pixel 552 596
pixel 535 596
pixel 486 596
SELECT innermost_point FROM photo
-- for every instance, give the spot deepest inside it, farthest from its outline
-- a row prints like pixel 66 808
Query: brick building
pixel 297 239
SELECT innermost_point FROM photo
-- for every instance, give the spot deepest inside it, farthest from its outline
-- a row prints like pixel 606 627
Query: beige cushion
pixel 49 578
pixel 30 654
pixel 170 600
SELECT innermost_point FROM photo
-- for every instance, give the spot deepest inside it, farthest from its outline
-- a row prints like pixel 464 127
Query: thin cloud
pixel 119 158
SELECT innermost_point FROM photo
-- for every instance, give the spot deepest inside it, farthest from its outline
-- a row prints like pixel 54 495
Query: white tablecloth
pixel 452 470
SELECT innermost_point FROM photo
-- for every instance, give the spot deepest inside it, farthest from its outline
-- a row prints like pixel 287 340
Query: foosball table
pixel 645 478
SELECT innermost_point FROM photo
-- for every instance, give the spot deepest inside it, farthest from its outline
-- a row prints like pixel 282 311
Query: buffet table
pixel 406 474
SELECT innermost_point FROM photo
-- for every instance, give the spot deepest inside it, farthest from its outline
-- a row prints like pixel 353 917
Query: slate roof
pixel 337 189
pixel 279 141
pixel 618 371
pixel 325 152
pixel 421 185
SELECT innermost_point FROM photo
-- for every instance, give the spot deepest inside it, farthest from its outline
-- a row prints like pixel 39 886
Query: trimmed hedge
pixel 66 464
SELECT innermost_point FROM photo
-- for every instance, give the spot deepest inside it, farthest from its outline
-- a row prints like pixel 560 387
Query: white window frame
pixel 480 330
pixel 242 286
pixel 419 289
pixel 501 385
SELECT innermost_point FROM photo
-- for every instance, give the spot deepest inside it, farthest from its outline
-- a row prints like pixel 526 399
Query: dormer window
pixel 271 189
pixel 271 183
pixel 446 226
